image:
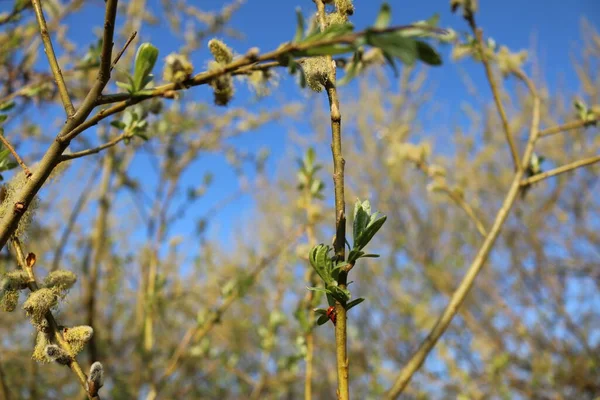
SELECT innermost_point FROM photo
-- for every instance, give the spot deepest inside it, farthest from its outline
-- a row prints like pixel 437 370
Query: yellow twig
pixel 561 170
pixel 49 49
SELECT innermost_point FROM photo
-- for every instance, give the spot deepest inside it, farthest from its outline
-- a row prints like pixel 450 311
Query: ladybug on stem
pixel 331 314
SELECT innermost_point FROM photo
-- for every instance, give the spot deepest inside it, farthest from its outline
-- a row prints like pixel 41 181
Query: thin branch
pixel 4 390
pixel 466 284
pixel 561 170
pixel 120 53
pixel 12 150
pixel 457 199
pixel 49 49
pixel 55 332
pixel 51 158
pixel 95 150
pixel 341 340
pixel 569 126
pixel 76 124
pixel 495 91
pixel 252 60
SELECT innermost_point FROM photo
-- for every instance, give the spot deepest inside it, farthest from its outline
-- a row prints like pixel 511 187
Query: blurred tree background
pixel 190 236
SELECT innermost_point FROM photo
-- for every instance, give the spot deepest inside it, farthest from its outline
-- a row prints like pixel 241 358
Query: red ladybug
pixel 331 314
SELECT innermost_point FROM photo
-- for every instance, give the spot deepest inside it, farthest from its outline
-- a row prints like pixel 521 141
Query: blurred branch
pixel 495 91
pixel 54 66
pixel 4 391
pixel 561 170
pixel 12 150
pixel 456 198
pixel 466 284
pixel 197 333
pixel 77 208
pixel 569 126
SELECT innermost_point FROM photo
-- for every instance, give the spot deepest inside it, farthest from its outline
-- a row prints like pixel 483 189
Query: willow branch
pixel 120 53
pixel 95 150
pixel 561 170
pixel 54 66
pixel 51 158
pixel 457 199
pixel 467 282
pixel 55 332
pixel 12 150
pixel 341 341
pixel 495 91
pixel 569 126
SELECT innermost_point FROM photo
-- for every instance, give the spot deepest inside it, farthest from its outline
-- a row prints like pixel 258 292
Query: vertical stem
pixel 49 49
pixel 98 251
pixel 340 223
pixel 311 277
pixel 4 392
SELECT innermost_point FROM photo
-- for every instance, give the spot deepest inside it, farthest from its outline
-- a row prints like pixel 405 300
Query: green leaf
pixel 142 135
pixel 7 106
pixel 320 311
pixel 118 124
pixel 371 229
pixel 322 320
pixel 3 117
pixel 124 86
pixel 361 219
pixel 390 60
pixel 331 32
pixel 299 26
pixel 427 54
pixel 353 70
pixel 395 44
pixel 317 289
pixel 341 295
pixel 354 302
pixel 354 255
pixel 321 262
pixel 145 59
pixel 326 50
pixel 370 256
pixel 384 17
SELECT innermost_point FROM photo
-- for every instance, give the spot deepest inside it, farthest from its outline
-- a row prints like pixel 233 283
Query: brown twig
pixel 95 150
pixel 54 66
pixel 120 53
pixel 561 170
pixel 51 158
pixel 12 150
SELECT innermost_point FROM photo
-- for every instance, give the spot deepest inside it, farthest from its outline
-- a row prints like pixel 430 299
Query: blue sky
pixel 550 27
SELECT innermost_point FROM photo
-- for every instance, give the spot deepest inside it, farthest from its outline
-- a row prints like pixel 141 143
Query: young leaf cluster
pixel 328 267
pixel 145 59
